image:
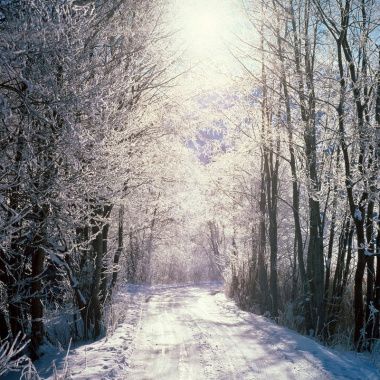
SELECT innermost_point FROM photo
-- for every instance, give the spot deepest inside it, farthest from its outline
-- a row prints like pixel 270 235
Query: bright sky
pixel 205 27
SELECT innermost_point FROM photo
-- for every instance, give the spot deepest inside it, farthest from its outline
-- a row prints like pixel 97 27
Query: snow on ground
pixel 193 332
pixel 100 359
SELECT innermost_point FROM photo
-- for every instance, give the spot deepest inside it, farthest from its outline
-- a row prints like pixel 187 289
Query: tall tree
pixel 356 56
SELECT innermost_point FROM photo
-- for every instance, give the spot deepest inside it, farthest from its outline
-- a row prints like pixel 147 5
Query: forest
pixel 140 145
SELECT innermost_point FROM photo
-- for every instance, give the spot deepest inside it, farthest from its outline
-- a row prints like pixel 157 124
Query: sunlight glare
pixel 206 30
pixel 204 25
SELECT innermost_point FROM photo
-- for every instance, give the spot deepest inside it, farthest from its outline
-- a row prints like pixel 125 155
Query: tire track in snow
pixel 163 349
pixel 212 357
pixel 226 346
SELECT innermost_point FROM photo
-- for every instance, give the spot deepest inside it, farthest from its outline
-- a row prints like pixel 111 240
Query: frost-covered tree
pixel 77 80
pixel 318 63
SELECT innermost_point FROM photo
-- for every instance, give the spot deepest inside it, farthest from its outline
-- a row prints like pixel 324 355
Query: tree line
pixel 80 99
pixel 301 175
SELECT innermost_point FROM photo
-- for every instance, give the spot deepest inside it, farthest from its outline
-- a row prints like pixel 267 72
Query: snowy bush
pixel 11 358
pixel 289 319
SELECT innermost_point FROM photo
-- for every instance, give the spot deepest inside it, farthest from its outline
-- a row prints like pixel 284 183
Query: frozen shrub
pixel 11 357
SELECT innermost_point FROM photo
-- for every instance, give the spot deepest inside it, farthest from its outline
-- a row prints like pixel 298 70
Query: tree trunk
pixel 305 79
pixel 105 230
pixel 340 276
pixel 263 276
pixel 377 284
pixel 95 290
pixel 14 269
pixel 271 172
pixel 120 248
pixel 315 267
pixel 370 261
pixel 299 245
pixel 81 302
pixel 37 333
pixel 38 259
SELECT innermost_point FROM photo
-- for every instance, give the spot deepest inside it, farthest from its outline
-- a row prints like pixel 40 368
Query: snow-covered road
pixel 192 332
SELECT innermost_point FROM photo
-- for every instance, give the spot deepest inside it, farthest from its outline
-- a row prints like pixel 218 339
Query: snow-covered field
pixel 194 332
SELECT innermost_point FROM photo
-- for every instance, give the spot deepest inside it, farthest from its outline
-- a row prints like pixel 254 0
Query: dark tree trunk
pixel 294 291
pixel 38 259
pixel 80 300
pixel 377 159
pixel 358 291
pixel 271 172
pixel 103 280
pixel 315 267
pixel 83 238
pixel 370 260
pixel 342 271
pixel 132 258
pixel 377 286
pixel 105 230
pixel 14 269
pixel 305 78
pixel 262 272
pixel 37 333
pixel 4 333
pixel 95 290
pixel 120 248
pixel 332 236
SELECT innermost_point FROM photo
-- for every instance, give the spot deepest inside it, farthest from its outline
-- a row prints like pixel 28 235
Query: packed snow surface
pixel 194 332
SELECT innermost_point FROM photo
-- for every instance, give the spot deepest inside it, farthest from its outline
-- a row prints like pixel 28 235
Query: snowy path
pixel 194 333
